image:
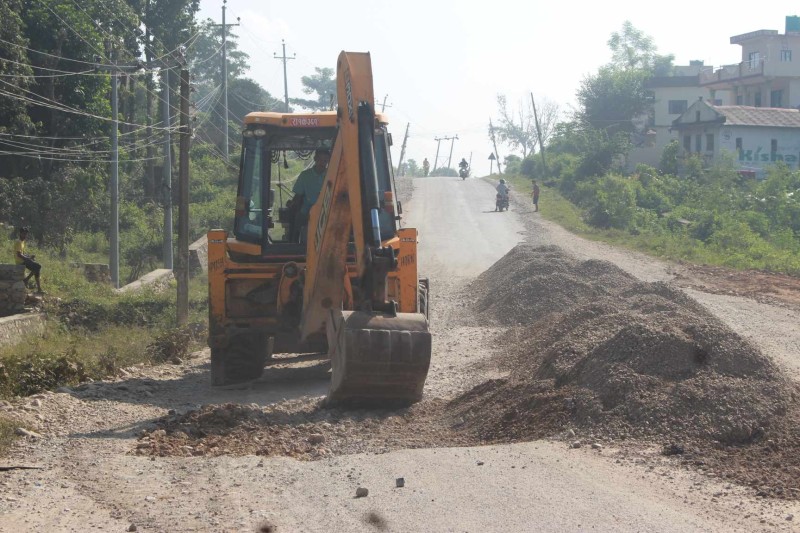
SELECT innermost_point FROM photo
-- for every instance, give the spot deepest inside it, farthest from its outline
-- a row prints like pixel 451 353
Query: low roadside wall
pixel 12 289
pixel 157 279
pixel 14 328
pixel 198 256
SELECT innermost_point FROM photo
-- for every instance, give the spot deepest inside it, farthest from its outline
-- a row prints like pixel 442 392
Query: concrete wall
pixel 157 279
pixel 14 328
pixel 198 256
pixel 756 151
pixel 12 289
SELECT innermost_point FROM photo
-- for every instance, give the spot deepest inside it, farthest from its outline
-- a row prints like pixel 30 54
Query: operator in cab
pixel 306 190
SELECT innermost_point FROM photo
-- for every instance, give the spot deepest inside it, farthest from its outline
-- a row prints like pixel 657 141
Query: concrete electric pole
pixel 115 69
pixel 225 71
pixel 284 58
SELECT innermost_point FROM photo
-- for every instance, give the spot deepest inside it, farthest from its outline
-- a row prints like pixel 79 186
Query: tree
pixel 245 96
pixel 14 67
pixel 632 49
pixel 323 85
pixel 609 99
pixel 518 130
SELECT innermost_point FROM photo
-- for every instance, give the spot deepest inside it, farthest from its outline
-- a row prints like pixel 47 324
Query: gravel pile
pixel 302 429
pixel 602 351
pixel 531 282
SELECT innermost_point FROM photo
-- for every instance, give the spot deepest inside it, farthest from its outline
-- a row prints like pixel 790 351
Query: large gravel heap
pixel 595 348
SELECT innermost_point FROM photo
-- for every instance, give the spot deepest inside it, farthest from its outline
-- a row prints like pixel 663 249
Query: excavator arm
pixel 377 353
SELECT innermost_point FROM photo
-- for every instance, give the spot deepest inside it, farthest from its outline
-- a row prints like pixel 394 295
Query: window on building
pixel 717 101
pixel 757 99
pixel 676 107
pixel 773 146
pixel 786 55
pixel 754 60
pixel 687 143
pixel 698 142
pixel 697 116
pixel 776 99
pixel 739 144
pixel 739 99
pixel 709 142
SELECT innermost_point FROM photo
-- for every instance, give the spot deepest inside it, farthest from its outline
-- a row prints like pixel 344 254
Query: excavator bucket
pixel 376 358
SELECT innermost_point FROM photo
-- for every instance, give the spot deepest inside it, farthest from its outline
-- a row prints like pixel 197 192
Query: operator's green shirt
pixel 309 184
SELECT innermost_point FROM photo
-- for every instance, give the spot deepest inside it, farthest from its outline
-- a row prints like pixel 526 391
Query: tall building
pixel 768 74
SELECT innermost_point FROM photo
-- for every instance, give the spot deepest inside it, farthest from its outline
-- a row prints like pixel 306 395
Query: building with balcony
pixel 755 136
pixel 768 74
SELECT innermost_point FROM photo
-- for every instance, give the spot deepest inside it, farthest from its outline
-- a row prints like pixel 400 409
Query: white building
pixel 671 96
pixel 756 136
pixel 769 72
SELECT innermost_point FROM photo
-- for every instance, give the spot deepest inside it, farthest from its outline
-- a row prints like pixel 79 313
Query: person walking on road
pixel 536 196
pixel 425 167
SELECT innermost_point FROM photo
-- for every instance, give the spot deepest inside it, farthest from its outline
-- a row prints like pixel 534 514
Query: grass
pixel 94 334
pixel 7 435
pixel 669 246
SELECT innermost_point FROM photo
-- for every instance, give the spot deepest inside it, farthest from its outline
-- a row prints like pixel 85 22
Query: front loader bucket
pixel 378 359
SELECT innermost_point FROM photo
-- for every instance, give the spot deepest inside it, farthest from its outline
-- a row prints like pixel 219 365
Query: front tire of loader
pixel 242 360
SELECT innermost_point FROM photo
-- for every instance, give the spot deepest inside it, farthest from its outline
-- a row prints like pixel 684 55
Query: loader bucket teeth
pixel 378 359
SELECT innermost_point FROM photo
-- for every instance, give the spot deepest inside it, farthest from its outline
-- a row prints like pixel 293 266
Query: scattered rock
pixel 22 432
pixel 789 517
pixel 36 403
pixel 672 449
pixel 400 482
pixel 132 527
pixel 570 432
pixel 150 499
pixel 362 492
pixel 597 446
pixel 576 444
pixel 316 438
pixel 480 463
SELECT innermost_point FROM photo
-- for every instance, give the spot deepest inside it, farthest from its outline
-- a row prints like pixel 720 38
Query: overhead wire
pixel 51 104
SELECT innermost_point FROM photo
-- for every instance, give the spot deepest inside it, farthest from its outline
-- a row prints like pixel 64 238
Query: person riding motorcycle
pixel 502 188
pixel 463 167
pixel 501 202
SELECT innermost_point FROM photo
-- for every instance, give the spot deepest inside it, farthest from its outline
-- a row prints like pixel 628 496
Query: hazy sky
pixel 442 63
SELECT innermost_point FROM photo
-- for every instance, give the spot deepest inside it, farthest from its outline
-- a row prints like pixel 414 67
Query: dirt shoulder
pixel 159 449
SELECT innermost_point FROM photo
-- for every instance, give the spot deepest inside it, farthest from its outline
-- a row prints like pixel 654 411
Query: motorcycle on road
pixel 501 202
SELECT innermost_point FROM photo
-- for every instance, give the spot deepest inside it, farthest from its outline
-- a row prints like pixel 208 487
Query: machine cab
pixel 276 147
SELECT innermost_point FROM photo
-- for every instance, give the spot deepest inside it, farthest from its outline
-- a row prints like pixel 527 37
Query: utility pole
pixel 494 143
pixel 403 151
pixel 182 270
pixel 452 142
pixel 115 69
pixel 539 135
pixel 225 70
pixel 166 179
pixel 384 105
pixel 284 58
pixel 438 144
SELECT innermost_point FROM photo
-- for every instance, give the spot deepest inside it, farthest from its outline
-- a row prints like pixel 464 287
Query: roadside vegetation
pixel 681 209
pixel 712 217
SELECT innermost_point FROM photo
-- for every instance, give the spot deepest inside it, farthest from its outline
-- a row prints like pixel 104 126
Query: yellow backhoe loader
pixel 343 278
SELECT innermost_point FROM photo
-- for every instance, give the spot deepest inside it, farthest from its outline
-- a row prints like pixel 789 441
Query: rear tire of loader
pixel 242 360
pixel 424 298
